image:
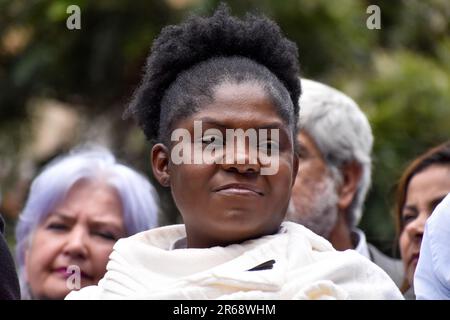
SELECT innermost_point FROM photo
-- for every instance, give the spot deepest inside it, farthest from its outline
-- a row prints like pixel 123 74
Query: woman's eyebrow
pixel 302 148
pixel 411 208
pixel 215 122
pixel 107 223
pixel 211 121
pixel 62 216
pixel 272 125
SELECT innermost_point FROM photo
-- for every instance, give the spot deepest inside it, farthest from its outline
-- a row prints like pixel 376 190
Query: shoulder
pixel 363 278
pixel 162 237
pixel 348 272
pixel 393 267
pixel 378 256
pixel 322 250
pixel 314 259
pixel 300 233
pixel 130 253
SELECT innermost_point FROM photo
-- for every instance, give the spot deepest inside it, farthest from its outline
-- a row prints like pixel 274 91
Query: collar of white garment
pixel 361 246
pixel 145 261
pixel 181 243
pixel 150 251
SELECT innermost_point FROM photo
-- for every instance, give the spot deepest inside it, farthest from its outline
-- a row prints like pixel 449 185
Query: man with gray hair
pixel 334 175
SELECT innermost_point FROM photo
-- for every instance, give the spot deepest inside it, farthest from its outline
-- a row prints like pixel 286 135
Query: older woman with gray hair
pixel 77 208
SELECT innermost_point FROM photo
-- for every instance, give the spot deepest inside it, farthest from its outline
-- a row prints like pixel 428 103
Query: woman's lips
pixel 239 189
pixel 66 272
pixel 414 258
pixel 238 192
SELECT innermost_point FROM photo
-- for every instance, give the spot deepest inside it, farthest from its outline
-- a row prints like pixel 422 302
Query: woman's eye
pixel 106 235
pixel 268 146
pixel 407 218
pixel 57 226
pixel 211 140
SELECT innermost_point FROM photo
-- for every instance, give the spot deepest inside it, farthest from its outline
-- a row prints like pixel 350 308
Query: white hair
pixel 138 197
pixel 318 207
pixel 341 132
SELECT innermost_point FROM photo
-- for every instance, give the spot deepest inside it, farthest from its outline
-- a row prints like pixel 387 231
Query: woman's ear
pixel 295 167
pixel 160 164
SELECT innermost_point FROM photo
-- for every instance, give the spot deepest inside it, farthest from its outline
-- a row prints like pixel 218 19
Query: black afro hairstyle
pixel 189 59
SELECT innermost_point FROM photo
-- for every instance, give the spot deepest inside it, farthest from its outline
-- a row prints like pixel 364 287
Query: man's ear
pixel 351 174
pixel 160 164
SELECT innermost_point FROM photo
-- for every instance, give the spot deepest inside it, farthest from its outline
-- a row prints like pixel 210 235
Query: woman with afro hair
pixel 205 78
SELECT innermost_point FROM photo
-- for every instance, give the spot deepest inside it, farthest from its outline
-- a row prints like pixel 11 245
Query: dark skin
pixel 223 204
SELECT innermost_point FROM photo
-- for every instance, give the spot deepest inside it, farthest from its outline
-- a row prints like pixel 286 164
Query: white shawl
pixel 306 267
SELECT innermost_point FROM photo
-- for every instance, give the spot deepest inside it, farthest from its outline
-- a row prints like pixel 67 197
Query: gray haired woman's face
pixel 70 249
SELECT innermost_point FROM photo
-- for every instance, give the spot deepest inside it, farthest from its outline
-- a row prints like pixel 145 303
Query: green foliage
pixel 407 99
pixel 95 64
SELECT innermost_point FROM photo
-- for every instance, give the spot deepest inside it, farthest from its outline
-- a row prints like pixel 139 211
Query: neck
pixel 340 236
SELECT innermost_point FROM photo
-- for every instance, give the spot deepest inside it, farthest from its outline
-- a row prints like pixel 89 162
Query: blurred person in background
pixel 9 284
pixel 432 276
pixel 422 186
pixel 77 208
pixel 334 174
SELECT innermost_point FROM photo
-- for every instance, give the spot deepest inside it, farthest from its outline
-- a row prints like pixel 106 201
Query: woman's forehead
pixel 231 90
pixel 237 120
pixel 245 103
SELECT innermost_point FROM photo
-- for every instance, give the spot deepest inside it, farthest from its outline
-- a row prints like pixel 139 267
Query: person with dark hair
pixel 9 283
pixel 205 79
pixel 423 185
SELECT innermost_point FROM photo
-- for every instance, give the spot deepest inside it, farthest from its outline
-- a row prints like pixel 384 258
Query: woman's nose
pixel 416 227
pixel 243 161
pixel 76 243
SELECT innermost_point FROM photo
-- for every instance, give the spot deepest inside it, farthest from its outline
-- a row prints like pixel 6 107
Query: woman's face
pixel 81 232
pixel 228 203
pixel 426 189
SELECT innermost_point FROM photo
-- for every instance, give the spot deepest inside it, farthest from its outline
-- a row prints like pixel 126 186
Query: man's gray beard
pixel 319 213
